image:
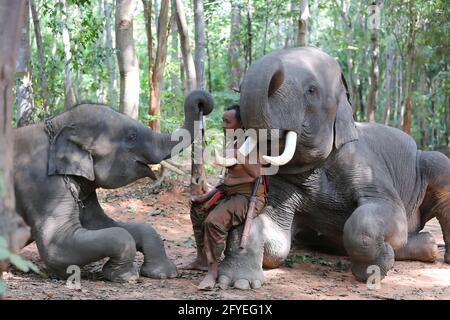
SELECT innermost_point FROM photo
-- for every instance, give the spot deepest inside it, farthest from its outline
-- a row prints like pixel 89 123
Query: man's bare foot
pixel 209 281
pixel 197 264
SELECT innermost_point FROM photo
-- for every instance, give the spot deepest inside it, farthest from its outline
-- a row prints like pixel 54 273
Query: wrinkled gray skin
pixel 94 146
pixel 356 188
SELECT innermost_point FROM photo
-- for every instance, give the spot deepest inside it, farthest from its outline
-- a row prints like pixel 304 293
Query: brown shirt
pixel 241 173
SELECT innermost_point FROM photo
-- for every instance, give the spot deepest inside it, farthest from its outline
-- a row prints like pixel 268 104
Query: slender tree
pixel 407 106
pixel 157 64
pixel 191 83
pixel 69 94
pixel 110 63
pixel 12 227
pixel 302 23
pixel 24 89
pixel 374 52
pixel 42 76
pixel 234 56
pixel 199 179
pixel 127 58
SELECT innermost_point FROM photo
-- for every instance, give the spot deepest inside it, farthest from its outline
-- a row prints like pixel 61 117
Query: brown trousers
pixel 211 224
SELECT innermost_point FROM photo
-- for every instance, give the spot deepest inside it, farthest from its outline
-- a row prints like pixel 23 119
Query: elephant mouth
pixel 250 144
pixel 149 172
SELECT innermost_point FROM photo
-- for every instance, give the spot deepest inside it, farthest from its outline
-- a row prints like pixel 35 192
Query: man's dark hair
pixel 238 111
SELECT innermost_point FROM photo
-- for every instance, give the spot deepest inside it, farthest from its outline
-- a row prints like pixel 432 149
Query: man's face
pixel 229 120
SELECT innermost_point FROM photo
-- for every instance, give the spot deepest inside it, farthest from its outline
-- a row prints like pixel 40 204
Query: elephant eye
pixel 312 90
pixel 132 137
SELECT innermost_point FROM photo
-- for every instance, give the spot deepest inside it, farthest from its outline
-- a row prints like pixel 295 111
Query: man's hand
pixel 197 199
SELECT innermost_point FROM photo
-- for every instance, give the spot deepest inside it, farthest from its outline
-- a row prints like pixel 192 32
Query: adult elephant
pixel 60 163
pixel 359 188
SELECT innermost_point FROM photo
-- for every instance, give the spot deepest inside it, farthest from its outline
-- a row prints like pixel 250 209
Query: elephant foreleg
pixel 156 264
pixel 435 168
pixel 63 242
pixel 421 247
pixel 270 240
pixel 371 234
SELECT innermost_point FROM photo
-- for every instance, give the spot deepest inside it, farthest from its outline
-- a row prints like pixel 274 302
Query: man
pixel 215 213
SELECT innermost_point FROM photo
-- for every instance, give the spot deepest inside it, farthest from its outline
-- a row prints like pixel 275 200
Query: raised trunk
pixel 163 146
pixel 40 51
pixel 12 227
pixel 127 58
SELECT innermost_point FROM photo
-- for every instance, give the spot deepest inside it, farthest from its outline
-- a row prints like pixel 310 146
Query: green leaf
pixel 155 212
pixel 3 242
pixel 4 253
pixel 19 263
pixel 33 267
pixel 2 287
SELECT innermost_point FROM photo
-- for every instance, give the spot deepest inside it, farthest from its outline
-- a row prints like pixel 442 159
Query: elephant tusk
pixel 247 146
pixel 223 162
pixel 288 153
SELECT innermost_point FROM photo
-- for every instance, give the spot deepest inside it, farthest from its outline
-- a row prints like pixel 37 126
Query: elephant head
pixel 111 149
pixel 302 93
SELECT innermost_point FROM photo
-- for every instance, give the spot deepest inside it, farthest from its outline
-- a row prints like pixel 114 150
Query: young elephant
pixel 362 188
pixel 60 163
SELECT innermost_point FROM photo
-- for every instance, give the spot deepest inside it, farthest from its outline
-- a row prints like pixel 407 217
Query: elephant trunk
pixel 162 146
pixel 262 80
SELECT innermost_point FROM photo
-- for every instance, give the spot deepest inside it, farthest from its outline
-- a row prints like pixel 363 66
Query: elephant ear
pixel 344 125
pixel 67 156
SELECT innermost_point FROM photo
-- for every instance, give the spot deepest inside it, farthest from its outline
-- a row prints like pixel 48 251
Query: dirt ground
pixel 307 274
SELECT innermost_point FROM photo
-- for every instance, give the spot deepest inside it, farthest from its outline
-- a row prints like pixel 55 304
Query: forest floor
pixel 307 274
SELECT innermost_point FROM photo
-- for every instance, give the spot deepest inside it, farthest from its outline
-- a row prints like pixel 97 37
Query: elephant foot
pixel 381 265
pixel 160 270
pixel 120 273
pixel 421 247
pixel 241 271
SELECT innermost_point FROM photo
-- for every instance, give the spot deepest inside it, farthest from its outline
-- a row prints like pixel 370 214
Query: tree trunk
pixel 24 90
pixel 127 58
pixel 69 95
pixel 371 100
pixel 347 29
pixel 154 124
pixel 199 20
pixel 12 227
pixel 387 91
pixel 110 63
pixel 421 113
pixel 302 23
pixel 198 174
pixel 160 62
pixel 248 45
pixel 234 61
pixel 189 65
pixel 40 52
pixel 174 79
pixel 409 73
